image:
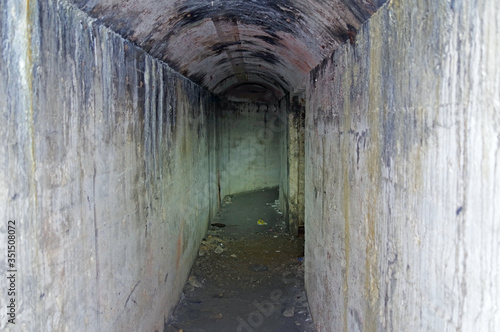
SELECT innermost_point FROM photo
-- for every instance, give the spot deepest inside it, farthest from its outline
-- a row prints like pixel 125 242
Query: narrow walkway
pixel 248 277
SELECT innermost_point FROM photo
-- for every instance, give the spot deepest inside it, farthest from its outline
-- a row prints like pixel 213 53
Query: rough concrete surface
pixel 248 146
pixel 284 190
pixel 292 174
pixel 402 157
pixel 96 137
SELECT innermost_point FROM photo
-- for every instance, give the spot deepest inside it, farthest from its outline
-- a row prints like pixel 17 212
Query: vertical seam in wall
pixel 31 118
pixel 28 72
pixel 96 248
pixel 100 34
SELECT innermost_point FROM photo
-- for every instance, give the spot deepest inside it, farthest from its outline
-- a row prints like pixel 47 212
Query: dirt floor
pixel 249 275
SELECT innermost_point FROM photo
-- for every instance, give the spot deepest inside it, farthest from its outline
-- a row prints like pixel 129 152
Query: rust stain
pixel 373 165
pixel 345 153
pixel 371 269
pixel 179 250
pixel 179 246
pixel 29 76
pixel 352 36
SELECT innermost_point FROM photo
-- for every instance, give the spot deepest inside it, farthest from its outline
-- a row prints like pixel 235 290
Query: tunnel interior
pixel 128 123
pixel 257 54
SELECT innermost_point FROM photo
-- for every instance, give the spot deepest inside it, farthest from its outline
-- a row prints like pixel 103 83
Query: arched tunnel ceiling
pixel 247 49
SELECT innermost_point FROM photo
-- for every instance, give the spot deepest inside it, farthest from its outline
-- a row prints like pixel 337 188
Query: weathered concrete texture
pixel 296 163
pixel 284 185
pixel 247 146
pixel 96 139
pixel 292 178
pixel 403 155
pixel 17 168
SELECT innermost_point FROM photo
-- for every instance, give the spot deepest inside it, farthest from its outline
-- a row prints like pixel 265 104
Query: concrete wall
pixel 284 187
pixel 248 137
pixel 292 176
pixel 402 173
pixel 104 167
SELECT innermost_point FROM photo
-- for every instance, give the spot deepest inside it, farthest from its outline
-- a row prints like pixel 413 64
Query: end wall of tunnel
pixel 248 146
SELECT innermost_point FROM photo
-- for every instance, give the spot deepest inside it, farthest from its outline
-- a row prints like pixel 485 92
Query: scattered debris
pixel 261 222
pixel 260 265
pixel 193 281
pixel 210 243
pixel 276 206
pixel 227 199
pixel 289 311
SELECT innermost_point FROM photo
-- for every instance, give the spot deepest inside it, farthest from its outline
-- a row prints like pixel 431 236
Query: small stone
pixel 194 282
pixel 234 256
pixel 289 311
pixel 219 250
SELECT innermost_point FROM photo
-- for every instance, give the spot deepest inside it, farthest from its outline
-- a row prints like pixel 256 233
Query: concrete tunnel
pixel 125 123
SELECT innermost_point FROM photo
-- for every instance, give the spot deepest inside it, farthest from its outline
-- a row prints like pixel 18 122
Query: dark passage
pixel 127 123
pixel 248 276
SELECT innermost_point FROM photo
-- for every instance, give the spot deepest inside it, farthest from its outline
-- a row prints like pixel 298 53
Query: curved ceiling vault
pixel 245 49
